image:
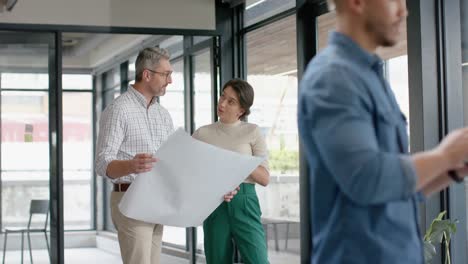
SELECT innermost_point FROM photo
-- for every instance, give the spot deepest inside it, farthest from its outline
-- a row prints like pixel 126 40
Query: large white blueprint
pixel 187 183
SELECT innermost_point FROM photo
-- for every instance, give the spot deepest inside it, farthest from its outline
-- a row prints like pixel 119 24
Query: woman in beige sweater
pixel 238 217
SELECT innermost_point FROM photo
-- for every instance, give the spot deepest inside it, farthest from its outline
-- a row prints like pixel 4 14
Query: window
pixel 131 70
pixel 77 152
pixel 203 89
pixel 464 65
pixel 173 100
pixel 112 85
pixel 77 82
pixel 19 81
pixel 272 71
pixel 397 75
pixel 258 10
pixel 25 151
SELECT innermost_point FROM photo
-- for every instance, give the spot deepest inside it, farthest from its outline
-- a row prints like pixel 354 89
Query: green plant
pixel 284 160
pixel 440 231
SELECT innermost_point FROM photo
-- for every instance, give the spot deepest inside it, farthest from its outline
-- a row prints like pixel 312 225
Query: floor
pixel 79 256
pixel 98 256
pixel 291 255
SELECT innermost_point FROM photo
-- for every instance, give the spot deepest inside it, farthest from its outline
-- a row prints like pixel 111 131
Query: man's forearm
pixel 430 167
pixel 118 168
pixel 438 184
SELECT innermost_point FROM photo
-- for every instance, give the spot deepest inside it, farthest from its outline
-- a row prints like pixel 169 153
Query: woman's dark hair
pixel 245 93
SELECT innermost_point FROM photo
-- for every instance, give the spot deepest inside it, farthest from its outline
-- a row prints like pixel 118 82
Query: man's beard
pixel 162 91
pixel 379 36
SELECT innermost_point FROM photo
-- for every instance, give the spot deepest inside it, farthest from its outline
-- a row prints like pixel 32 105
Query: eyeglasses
pixel 166 75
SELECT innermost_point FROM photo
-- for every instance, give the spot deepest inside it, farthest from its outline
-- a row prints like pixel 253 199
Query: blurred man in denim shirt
pixel 365 185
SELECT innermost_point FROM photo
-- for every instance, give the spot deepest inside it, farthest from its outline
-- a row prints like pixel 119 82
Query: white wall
pixel 180 14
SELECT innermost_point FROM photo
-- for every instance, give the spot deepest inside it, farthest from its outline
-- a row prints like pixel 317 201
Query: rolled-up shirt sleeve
pixel 409 173
pixel 110 138
pixel 339 119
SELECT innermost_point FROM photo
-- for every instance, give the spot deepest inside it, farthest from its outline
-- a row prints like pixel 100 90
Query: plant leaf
pixel 429 251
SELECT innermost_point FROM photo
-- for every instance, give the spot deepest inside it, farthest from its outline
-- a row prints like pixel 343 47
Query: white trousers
pixel 140 242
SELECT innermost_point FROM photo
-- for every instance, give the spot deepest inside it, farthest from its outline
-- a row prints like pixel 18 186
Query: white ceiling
pixel 83 51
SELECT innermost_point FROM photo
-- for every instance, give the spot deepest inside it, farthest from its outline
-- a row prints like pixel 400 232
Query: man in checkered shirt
pixel 131 129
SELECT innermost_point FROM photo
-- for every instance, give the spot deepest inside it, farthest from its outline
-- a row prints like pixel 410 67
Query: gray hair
pixel 334 5
pixel 149 58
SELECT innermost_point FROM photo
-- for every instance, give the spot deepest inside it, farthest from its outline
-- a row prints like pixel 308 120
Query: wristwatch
pixel 454 175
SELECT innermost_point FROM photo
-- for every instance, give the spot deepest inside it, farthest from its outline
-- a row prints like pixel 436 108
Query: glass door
pixel 29 165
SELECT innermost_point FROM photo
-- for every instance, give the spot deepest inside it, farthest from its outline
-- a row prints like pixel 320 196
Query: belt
pixel 121 187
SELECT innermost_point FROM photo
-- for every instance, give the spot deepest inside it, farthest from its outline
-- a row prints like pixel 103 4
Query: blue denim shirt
pixel 363 184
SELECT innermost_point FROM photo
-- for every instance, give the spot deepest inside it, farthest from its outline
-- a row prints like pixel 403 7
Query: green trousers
pixel 238 220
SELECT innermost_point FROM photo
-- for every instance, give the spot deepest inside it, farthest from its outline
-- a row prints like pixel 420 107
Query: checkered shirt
pixel 127 127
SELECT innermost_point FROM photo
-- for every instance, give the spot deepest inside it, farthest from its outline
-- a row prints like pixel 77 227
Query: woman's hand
pixel 230 195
